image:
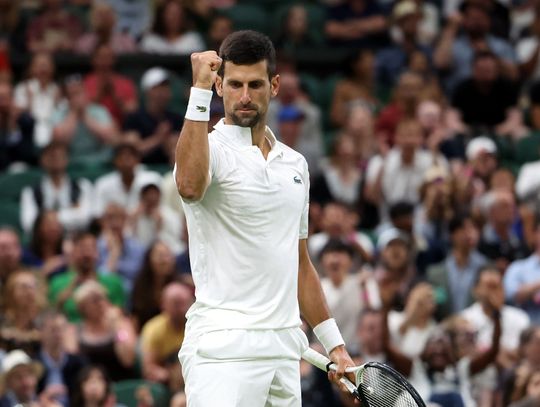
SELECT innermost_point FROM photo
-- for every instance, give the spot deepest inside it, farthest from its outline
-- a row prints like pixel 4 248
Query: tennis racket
pixel 377 385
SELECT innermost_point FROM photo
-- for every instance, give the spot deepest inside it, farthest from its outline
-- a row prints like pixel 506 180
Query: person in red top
pixel 103 85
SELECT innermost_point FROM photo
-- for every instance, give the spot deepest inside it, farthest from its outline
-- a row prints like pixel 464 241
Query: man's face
pixel 370 333
pixel 104 59
pixel 10 250
pixel 484 164
pixel 160 95
pixel 54 160
pixel 489 282
pixel 502 211
pixel 476 22
pixel 114 219
pixel 176 302
pixel 290 87
pixel 246 92
pixel 22 381
pixel 53 329
pixel 466 236
pixel 438 352
pixel 125 161
pixel 395 255
pixel 336 264
pixel 85 254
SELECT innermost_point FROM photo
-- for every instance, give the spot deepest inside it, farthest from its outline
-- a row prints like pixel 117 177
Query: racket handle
pixel 316 359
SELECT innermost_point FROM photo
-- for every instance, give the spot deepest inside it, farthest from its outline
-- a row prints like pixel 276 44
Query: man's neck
pixel 56 178
pixel 502 231
pixel 54 352
pixel 461 255
pixel 127 178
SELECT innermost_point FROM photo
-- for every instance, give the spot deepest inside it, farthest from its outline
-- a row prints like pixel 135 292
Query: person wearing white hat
pixel 154 123
pixel 19 377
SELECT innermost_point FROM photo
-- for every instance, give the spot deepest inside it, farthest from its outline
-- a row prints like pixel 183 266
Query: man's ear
pixel 219 85
pixel 274 86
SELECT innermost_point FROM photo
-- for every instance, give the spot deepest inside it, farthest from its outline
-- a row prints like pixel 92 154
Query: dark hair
pixel 400 209
pixel 336 245
pixel 248 47
pixel 488 268
pixel 159 27
pixel 143 301
pixel 81 235
pixel 352 58
pixel 149 187
pixel 36 241
pixel 126 146
pixel 484 54
pixel 469 5
pixel 77 397
pixel 458 221
pixel 54 145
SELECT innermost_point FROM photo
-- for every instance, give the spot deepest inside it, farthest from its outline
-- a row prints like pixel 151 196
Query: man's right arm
pixel 192 151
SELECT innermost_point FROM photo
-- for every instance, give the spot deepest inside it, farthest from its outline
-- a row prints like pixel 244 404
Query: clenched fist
pixel 205 66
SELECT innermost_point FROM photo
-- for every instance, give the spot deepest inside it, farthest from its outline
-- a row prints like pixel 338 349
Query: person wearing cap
pixel 103 85
pixel 453 279
pixel 292 112
pixel 86 127
pixel 481 155
pixel 123 186
pixel 154 122
pixel 19 377
pixel 486 99
pixel 392 60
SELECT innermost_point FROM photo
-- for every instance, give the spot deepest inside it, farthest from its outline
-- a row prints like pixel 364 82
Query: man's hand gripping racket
pixel 376 384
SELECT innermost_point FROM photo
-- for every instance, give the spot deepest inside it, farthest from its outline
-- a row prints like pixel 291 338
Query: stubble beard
pixel 246 121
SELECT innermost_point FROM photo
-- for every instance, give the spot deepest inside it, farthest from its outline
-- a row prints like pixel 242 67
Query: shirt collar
pixel 240 137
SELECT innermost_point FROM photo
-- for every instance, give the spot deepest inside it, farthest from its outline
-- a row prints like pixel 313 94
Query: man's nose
pixel 246 98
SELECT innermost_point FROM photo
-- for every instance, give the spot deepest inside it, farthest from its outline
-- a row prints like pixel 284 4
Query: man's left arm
pixel 314 309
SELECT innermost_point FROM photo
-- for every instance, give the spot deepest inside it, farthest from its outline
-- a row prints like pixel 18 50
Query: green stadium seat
pixel 248 17
pixel 313 86
pixel 9 215
pixel 126 390
pixel 12 184
pixel 528 148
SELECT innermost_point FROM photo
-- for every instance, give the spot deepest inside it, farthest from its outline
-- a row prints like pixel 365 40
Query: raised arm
pixel 192 152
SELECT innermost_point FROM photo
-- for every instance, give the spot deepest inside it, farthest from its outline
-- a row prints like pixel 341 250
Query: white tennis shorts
pixel 243 368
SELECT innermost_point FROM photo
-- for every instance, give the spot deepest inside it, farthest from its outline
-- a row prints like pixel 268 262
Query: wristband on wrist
pixel 328 334
pixel 198 108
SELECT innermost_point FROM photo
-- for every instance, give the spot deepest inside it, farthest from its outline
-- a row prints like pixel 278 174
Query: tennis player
pixel 245 196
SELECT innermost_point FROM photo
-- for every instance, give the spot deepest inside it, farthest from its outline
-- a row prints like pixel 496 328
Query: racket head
pixel 379 385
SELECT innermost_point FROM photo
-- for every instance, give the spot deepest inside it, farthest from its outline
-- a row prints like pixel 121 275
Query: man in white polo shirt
pixel 246 202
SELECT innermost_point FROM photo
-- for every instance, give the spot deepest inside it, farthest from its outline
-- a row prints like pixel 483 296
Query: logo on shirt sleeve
pixel 297 180
pixel 201 109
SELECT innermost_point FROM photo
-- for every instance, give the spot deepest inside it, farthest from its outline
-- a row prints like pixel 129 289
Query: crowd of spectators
pixel 423 144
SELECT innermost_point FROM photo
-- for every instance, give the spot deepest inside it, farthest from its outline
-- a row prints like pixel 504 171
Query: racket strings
pixel 382 388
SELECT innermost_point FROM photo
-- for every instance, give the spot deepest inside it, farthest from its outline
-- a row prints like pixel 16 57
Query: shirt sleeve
pixel 304 220
pixel 512 282
pixel 78 215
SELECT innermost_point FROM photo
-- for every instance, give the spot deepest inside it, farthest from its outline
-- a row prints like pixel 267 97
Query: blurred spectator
pixel 86 127
pixel 155 123
pixel 339 221
pixel 105 337
pixel 361 127
pixel 10 254
pixel 156 272
pixel 295 32
pixel 527 50
pixel 39 96
pixel 429 27
pixel 455 52
pixel 341 286
pixel 486 99
pixel 398 175
pixel 357 87
pixel 45 250
pixel 340 178
pixel 93 388
pixel 119 252
pixel 57 191
pixel 356 23
pixel 410 329
pixel 220 27
pixel 61 367
pixel 169 190
pixel 54 30
pixel 162 337
pixel 406 97
pixel 482 162
pixel 83 268
pixel 11 26
pixel 453 279
pixel 179 400
pixel 392 60
pixel 103 23
pixel 171 33
pixel 370 336
pixel 529 396
pixel 25 300
pixel 123 186
pixel 500 240
pixel 134 16
pixel 514 321
pixel 16 131
pixel 299 119
pixel 153 220
pixel 528 185
pixel 20 375
pixel 522 282
pixel 106 87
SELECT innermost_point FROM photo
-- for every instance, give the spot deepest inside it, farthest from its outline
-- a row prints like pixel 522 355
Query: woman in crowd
pixel 93 389
pixel 157 271
pixel 105 336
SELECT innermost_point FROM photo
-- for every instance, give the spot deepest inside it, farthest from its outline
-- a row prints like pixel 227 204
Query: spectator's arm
pixel 370 25
pixel 151 368
pixel 103 128
pixel 516 291
pixel 400 362
pixel 65 129
pixel 481 361
pixel 442 57
pixel 526 292
pixel 125 341
pixel 29 209
pixel 79 215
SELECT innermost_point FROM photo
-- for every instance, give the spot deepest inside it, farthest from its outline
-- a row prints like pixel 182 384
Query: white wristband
pixel 328 334
pixel 198 108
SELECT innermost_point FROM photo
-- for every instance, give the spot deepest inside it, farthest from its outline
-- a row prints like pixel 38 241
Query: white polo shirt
pixel 244 232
